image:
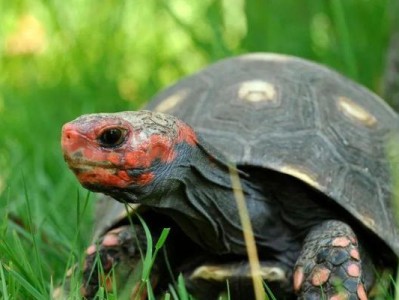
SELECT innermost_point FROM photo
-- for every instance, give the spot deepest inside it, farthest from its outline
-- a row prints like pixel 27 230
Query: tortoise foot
pixel 113 257
pixel 330 265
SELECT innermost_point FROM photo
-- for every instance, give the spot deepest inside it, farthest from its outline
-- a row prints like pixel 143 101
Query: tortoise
pixel 310 149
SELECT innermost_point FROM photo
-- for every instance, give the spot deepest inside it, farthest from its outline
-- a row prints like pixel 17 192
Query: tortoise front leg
pixel 116 256
pixel 332 265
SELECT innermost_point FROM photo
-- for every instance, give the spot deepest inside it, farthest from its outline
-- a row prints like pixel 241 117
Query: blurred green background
pixel 60 59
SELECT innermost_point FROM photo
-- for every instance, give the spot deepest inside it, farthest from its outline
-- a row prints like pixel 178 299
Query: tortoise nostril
pixel 69 137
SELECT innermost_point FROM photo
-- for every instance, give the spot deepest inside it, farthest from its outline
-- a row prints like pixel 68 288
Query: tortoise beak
pixel 71 140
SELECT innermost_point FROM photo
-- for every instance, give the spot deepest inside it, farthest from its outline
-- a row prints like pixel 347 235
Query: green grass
pixel 59 59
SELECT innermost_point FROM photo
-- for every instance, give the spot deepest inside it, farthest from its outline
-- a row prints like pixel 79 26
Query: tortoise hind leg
pixel 332 265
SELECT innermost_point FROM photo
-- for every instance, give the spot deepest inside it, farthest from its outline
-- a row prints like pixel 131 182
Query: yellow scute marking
pixel 266 57
pixel 355 112
pixel 257 90
pixel 301 174
pixel 172 101
pixel 215 273
pixel 368 221
pixel 221 273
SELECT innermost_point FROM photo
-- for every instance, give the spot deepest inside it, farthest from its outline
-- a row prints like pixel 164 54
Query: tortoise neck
pixel 199 205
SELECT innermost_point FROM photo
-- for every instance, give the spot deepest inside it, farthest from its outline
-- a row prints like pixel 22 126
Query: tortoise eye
pixel 112 137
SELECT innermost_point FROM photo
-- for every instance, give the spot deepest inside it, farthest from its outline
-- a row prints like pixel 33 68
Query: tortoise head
pixel 124 151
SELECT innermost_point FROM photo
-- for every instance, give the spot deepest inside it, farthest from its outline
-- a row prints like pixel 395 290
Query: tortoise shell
pixel 299 118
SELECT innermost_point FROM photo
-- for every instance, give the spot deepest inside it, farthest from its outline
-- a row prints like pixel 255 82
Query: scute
pixel 355 112
pixel 257 91
pixel 222 273
pixel 301 174
pixel 339 151
pixel 172 101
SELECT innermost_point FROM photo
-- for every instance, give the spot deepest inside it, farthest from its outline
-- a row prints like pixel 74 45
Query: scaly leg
pixel 117 251
pixel 331 265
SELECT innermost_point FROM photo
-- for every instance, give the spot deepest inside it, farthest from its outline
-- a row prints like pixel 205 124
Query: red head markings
pixel 122 149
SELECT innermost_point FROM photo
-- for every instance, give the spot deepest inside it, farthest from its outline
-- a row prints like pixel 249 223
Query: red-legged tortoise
pixel 310 147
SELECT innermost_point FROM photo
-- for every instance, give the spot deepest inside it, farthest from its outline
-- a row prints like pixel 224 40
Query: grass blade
pixel 147 263
pixel 3 283
pixel 248 235
pixel 344 36
pixel 36 294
